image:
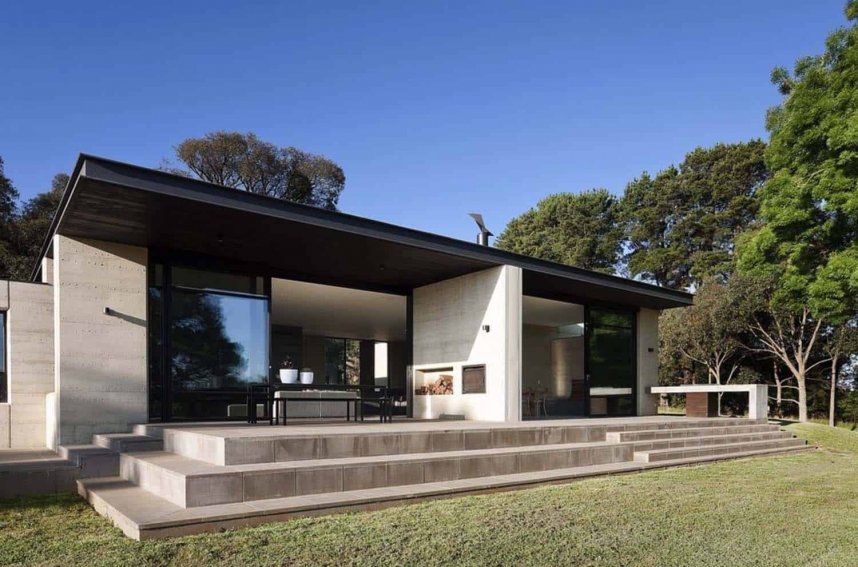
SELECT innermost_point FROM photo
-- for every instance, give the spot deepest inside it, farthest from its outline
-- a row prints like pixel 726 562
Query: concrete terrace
pixel 194 478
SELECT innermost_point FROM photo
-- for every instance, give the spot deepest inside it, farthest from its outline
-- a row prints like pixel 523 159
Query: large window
pixel 4 395
pixel 342 361
pixel 611 362
pixel 208 340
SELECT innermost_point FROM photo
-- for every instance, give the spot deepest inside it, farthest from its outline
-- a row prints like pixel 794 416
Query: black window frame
pixel 4 360
pixel 161 263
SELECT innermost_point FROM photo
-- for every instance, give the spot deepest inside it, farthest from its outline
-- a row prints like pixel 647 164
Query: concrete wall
pixel 536 356
pixel 647 337
pixel 30 353
pixel 5 426
pixel 550 364
pixel 448 333
pixel 101 372
pixel 47 270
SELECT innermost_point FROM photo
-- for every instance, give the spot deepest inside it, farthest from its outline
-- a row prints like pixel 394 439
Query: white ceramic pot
pixel 289 375
pixel 306 377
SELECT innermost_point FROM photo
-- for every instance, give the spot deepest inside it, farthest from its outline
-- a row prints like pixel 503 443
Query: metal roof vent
pixel 483 236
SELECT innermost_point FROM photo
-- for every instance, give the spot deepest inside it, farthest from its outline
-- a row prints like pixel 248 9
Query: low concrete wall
pixel 29 362
pixel 449 333
pixel 5 426
pixel 101 372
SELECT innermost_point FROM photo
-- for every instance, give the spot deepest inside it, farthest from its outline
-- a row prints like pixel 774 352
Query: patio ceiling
pixel 123 203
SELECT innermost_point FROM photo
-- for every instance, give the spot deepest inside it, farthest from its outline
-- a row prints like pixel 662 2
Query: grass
pixel 787 510
pixel 851 426
pixel 670 410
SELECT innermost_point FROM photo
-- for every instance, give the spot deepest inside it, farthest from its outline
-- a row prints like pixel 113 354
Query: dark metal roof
pixel 123 203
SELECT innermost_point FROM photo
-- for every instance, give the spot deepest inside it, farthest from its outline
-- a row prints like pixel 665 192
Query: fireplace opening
pixel 434 382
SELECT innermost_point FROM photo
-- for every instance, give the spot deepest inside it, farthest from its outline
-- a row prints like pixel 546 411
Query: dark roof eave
pixel 140 178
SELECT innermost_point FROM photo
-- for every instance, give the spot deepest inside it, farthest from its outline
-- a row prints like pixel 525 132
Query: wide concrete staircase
pixel 175 481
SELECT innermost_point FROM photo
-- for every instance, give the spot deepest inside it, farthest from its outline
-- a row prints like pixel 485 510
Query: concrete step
pixel 128 442
pixel 657 434
pixel 236 444
pixel 143 515
pixel 92 460
pixel 708 441
pixel 191 483
pixel 29 472
pixel 716 450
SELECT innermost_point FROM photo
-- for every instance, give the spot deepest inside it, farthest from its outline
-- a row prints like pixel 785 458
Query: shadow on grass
pixel 40 501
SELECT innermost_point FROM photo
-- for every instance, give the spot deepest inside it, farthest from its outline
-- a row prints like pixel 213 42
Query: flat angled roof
pixel 124 203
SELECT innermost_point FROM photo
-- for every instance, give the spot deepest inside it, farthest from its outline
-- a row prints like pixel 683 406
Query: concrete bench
pixel 701 400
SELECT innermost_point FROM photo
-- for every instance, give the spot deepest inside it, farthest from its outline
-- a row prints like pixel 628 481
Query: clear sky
pixel 433 109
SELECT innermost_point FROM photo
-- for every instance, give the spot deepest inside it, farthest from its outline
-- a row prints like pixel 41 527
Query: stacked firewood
pixel 443 386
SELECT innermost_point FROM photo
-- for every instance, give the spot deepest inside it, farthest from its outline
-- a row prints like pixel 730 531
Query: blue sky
pixel 432 109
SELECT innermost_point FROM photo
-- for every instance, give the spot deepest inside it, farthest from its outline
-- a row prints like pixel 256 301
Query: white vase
pixel 289 375
pixel 306 377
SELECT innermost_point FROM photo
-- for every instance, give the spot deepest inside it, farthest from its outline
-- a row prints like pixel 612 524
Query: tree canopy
pixel 8 209
pixel 243 161
pixel 23 227
pixel 576 229
pixel 809 242
pixel 681 224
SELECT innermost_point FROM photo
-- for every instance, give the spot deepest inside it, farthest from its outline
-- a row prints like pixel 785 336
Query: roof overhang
pixel 118 202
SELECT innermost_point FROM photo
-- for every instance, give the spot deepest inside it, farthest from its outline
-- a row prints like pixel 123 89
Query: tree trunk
pixel 779 391
pixel 802 398
pixel 832 419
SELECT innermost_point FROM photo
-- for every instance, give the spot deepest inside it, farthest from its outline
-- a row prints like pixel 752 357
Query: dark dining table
pixel 366 393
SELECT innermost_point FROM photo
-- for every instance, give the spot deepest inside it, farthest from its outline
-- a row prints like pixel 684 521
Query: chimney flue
pixel 483 236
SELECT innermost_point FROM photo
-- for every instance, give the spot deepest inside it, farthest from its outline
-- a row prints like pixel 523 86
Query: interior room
pixel 553 370
pixel 577 361
pixel 341 335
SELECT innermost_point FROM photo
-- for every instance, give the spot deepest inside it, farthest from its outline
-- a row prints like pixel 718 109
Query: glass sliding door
pixel 208 340
pixel 611 371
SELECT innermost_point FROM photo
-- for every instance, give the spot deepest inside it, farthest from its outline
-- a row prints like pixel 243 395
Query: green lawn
pixel 787 510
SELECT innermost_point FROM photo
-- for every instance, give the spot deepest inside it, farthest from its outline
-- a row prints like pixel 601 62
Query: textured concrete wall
pixel 4 295
pixel 448 333
pixel 647 335
pixel 5 426
pixel 30 360
pixel 514 321
pixel 536 356
pixel 47 270
pixel 101 373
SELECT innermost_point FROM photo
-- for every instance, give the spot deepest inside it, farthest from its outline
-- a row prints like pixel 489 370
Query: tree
pixel 791 336
pixel 806 252
pixel 23 228
pixel 576 229
pixel 650 210
pixel 32 225
pixel 841 344
pixel 707 332
pixel 681 224
pixel 8 211
pixel 243 161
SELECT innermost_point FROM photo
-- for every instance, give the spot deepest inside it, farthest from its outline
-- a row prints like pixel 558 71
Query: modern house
pixel 159 298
